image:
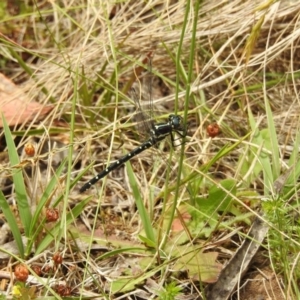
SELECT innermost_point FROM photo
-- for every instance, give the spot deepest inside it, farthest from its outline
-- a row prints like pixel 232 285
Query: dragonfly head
pixel 178 124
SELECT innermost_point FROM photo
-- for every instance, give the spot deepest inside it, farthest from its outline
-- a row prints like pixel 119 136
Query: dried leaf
pixel 15 105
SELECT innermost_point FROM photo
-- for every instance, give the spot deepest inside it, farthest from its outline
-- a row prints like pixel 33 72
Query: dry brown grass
pixel 245 53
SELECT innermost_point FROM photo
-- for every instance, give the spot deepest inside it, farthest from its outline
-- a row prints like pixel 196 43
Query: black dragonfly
pixel 157 132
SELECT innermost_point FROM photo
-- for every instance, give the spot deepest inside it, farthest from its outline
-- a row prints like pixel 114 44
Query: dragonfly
pixel 157 132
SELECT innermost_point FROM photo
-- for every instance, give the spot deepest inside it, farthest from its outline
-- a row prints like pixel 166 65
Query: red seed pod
pixel 37 270
pixel 29 149
pixel 52 214
pixel 213 130
pixel 47 269
pixel 63 290
pixel 57 258
pixel 21 272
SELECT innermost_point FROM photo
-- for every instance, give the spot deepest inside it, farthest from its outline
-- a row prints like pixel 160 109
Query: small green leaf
pixel 200 266
pixel 219 197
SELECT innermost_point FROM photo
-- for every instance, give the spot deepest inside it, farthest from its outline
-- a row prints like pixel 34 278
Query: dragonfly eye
pixel 176 121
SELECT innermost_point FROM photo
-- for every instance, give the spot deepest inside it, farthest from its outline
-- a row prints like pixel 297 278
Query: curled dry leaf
pixel 15 105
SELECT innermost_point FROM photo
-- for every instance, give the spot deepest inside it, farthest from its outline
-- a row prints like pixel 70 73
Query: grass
pixel 166 224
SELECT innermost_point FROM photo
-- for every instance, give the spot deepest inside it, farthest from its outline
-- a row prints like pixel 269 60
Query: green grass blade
pixel 263 159
pixel 18 179
pixel 273 140
pixel 12 222
pixel 140 205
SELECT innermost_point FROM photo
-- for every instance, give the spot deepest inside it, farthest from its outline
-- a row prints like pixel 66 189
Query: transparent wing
pixel 141 93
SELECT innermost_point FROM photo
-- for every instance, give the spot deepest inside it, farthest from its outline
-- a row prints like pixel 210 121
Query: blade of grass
pixel 273 139
pixel 264 159
pixel 13 224
pixel 186 103
pixel 18 179
pixel 140 205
